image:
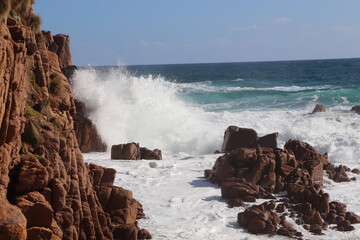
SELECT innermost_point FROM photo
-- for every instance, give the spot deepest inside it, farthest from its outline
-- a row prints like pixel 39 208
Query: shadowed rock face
pixel 46 189
pixel 86 132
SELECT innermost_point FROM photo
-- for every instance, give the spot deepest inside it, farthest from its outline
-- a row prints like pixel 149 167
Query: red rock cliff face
pixel 46 189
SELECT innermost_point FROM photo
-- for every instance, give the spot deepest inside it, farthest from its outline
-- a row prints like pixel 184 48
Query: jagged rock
pixel 259 220
pixel 338 174
pixel 69 72
pixel 86 133
pixel 42 169
pixel 356 109
pixel 63 51
pixel 235 137
pixel 309 158
pixel 319 108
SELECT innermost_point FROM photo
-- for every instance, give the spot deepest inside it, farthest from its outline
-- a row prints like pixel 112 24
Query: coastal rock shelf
pixel 291 177
pixel 46 189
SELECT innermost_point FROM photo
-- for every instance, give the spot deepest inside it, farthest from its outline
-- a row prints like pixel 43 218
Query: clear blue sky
pixel 177 31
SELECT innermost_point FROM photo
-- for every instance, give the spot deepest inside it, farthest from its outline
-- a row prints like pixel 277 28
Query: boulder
pixel 268 141
pixel 129 151
pixel 12 222
pixel 148 154
pixel 235 137
pixel 319 108
pixel 356 109
pixel 32 175
pixel 36 209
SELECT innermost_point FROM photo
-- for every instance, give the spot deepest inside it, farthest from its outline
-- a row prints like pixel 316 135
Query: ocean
pixel 184 109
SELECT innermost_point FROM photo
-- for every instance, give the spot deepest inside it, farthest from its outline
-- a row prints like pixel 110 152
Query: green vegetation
pixel 56 84
pixel 30 112
pixel 38 157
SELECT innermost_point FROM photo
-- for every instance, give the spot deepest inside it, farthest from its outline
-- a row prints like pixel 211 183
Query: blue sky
pixel 173 31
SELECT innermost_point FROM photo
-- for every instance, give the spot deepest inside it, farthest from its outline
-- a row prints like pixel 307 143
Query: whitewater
pixel 187 119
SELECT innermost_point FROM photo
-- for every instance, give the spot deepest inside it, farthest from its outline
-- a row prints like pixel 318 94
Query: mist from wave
pixel 177 115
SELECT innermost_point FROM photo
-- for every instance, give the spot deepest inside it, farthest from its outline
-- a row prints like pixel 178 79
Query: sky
pixel 136 32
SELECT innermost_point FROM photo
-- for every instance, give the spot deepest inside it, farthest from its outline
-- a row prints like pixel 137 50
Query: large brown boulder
pixel 32 175
pixel 148 154
pixel 36 209
pixel 129 151
pixel 12 222
pixel 235 137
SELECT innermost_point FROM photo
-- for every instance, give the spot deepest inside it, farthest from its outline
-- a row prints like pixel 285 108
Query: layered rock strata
pixel 46 189
pixel 246 174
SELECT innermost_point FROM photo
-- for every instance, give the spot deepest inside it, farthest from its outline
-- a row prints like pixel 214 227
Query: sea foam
pixel 152 111
pixel 144 109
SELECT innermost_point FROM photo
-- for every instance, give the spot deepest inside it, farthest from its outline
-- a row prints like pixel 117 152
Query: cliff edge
pixel 46 189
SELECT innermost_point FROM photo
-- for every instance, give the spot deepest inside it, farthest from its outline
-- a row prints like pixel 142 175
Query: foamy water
pixel 187 121
pixel 153 112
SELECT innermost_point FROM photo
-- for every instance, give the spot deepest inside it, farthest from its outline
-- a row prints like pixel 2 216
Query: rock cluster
pixel 46 189
pixel 132 151
pixel 248 173
pixel 121 208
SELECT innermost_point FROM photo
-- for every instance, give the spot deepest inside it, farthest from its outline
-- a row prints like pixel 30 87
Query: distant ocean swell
pixel 190 117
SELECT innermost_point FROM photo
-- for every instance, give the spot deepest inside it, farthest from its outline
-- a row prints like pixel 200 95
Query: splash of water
pixel 144 109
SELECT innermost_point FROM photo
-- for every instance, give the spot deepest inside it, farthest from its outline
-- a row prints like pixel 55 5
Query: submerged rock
pixel 356 109
pixel 319 108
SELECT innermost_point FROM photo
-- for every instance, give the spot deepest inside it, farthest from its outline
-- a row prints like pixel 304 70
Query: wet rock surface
pixel 249 173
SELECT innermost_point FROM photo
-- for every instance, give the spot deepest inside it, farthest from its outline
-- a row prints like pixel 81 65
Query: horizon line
pixel 193 63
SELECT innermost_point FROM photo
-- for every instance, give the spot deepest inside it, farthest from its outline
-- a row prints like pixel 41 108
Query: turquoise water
pixel 259 85
pixel 186 108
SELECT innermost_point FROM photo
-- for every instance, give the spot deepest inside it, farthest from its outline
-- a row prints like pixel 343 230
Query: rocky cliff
pixel 46 189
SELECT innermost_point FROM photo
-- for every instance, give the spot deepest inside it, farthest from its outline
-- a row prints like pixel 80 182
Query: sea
pixel 184 109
